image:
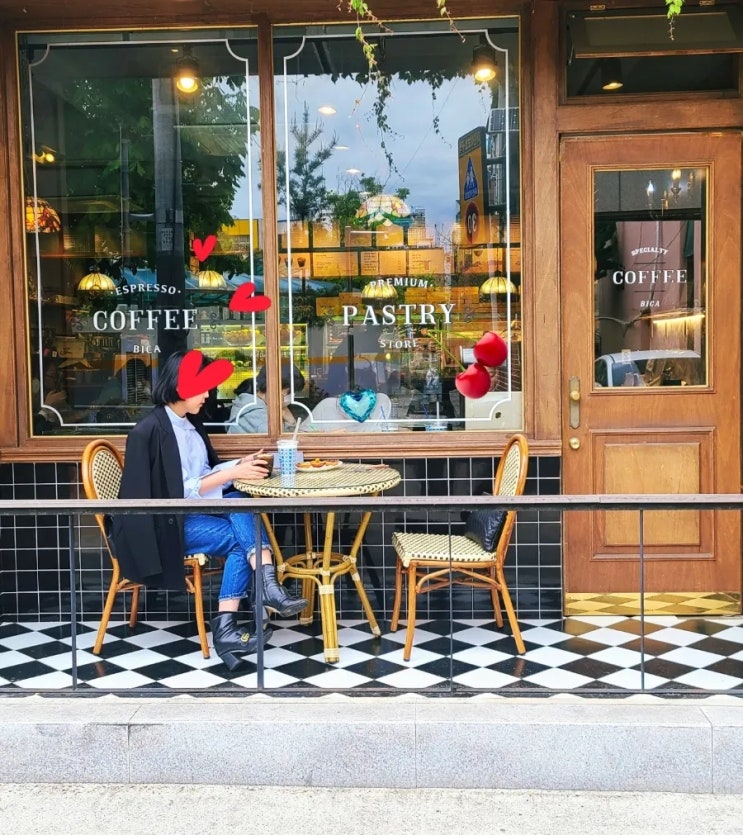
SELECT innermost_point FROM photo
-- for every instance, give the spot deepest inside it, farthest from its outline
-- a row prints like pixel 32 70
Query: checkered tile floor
pixel 576 654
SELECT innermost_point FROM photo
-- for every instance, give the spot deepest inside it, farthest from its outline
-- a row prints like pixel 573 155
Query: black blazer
pixel 150 548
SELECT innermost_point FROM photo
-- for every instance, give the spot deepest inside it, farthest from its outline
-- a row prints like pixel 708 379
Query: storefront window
pixel 650 279
pixel 399 232
pixel 143 216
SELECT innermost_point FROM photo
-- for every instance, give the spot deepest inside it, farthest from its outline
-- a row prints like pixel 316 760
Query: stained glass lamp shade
pixel 378 291
pixel 211 280
pixel 97 283
pixel 498 285
pixel 41 217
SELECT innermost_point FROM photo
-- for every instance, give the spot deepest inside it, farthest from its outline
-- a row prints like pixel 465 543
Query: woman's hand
pixel 249 467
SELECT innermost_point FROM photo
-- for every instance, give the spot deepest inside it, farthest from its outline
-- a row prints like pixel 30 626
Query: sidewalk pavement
pixel 95 809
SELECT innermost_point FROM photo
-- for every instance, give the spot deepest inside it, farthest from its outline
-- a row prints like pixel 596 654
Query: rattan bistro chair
pixel 434 561
pixel 102 467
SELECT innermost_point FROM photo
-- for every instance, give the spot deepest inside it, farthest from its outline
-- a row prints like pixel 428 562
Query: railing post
pixel 73 596
pixel 642 599
pixel 258 522
pixel 451 612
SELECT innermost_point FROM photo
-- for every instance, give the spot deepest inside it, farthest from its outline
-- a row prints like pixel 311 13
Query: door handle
pixel 574 402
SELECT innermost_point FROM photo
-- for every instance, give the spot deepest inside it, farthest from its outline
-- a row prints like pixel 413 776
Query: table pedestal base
pixel 318 571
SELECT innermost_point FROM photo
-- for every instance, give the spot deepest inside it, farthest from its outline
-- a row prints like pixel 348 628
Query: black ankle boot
pixel 276 597
pixel 231 643
pixel 252 629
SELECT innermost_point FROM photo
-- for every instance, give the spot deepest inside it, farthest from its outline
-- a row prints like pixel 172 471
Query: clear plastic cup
pixel 287 448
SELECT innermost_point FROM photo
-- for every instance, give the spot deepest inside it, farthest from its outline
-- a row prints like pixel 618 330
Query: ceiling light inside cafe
pixel 484 62
pixel 211 280
pixel 187 72
pixel 498 285
pixel 97 282
pixel 41 217
pixel 46 155
pixel 611 74
pixel 376 291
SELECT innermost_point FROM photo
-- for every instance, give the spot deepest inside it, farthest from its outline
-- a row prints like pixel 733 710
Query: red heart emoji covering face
pixel 474 382
pixel 243 300
pixel 194 380
pixel 203 249
pixel 491 349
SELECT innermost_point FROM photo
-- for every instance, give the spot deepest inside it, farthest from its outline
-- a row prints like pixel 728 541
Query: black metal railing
pixel 71 511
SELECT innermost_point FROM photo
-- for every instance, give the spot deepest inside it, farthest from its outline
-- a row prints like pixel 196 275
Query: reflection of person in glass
pixel 128 388
pixel 170 456
pixel 56 409
pixel 250 414
pixel 364 346
pixel 129 385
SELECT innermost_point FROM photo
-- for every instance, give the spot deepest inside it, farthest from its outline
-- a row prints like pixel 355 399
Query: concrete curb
pixel 640 744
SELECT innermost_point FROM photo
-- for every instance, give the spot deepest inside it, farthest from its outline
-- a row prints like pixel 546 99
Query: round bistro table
pixel 319 569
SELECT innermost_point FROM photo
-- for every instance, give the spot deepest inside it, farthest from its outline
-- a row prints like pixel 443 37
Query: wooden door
pixel 651 270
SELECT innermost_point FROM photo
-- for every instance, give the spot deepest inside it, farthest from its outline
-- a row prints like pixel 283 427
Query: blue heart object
pixel 358 405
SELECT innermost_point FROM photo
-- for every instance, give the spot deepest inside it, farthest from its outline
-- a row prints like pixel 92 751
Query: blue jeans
pixel 231 535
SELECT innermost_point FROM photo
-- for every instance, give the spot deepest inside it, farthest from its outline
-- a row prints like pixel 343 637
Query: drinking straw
pixel 296 429
pixel 383 416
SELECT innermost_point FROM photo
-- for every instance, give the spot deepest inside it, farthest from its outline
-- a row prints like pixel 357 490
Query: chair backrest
pixel 102 467
pixel 510 477
pixel 510 480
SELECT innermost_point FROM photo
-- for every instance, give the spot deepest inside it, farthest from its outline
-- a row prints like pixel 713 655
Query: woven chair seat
pixel 437 546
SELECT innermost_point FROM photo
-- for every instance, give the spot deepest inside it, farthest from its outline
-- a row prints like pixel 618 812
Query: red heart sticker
pixel 203 249
pixel 243 300
pixel 194 380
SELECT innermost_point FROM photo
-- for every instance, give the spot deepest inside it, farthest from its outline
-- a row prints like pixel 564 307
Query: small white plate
pixel 306 467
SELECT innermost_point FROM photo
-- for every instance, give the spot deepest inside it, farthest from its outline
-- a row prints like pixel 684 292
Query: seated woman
pixel 169 456
pixel 250 414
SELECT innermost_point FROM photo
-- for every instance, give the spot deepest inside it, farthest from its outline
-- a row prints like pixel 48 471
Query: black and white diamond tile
pixel 583 654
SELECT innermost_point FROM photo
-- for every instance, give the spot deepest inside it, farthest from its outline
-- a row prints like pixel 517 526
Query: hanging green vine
pixel 673 10
pixel 382 81
pixel 379 107
pixel 364 14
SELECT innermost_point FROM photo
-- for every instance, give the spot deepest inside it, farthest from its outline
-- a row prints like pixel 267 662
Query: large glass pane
pixel 399 234
pixel 650 277
pixel 142 217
